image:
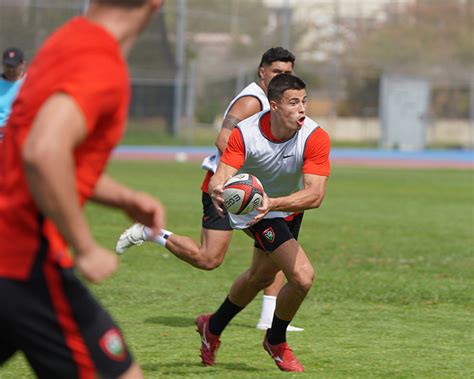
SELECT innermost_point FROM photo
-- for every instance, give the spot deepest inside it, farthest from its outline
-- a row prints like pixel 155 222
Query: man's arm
pixel 216 185
pixel 243 108
pixel 311 196
pixel 48 156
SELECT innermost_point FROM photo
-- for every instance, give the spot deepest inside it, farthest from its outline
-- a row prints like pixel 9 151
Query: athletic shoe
pixel 283 356
pixel 209 342
pixel 131 236
pixel 262 325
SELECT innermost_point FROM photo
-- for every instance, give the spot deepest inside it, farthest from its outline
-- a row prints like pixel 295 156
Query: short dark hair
pixel 276 54
pixel 281 83
pixel 121 3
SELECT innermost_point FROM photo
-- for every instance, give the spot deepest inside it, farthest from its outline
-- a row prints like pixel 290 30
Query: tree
pixel 429 38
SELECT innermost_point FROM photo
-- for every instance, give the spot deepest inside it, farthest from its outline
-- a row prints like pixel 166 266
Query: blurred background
pixel 396 74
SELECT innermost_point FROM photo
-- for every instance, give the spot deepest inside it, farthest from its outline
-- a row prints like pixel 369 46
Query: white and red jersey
pixel 211 162
pixel 278 164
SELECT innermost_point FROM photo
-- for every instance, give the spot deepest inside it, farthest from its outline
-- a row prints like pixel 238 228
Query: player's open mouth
pixel 300 121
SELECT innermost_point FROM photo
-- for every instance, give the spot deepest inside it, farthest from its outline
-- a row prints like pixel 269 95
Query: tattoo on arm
pixel 230 122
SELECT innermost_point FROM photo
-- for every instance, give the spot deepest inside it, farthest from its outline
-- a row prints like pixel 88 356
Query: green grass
pixel 394 255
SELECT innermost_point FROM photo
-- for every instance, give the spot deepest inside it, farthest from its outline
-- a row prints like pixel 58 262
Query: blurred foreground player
pixel 62 129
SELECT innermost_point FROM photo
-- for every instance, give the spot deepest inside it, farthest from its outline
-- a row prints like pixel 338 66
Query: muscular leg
pixel 291 258
pixel 274 288
pixel 261 274
pixel 207 256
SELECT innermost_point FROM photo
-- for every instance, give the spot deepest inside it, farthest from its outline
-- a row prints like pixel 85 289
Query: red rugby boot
pixel 209 342
pixel 283 356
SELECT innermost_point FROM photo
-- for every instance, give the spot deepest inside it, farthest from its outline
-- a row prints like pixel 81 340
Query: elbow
pixel 32 155
pixel 38 155
pixel 317 201
pixel 316 204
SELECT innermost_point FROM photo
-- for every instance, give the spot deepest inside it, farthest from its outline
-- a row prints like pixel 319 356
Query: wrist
pixel 84 247
pixel 272 204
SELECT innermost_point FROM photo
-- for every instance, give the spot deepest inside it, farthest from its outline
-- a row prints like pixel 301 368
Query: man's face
pixel 267 73
pixel 291 109
pixel 13 73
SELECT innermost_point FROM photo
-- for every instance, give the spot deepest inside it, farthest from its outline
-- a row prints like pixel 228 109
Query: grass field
pixel 394 295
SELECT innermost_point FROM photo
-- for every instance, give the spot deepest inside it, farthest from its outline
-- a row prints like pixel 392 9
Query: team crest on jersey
pixel 269 234
pixel 112 344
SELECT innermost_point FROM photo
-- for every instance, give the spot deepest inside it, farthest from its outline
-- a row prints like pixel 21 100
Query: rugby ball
pixel 242 194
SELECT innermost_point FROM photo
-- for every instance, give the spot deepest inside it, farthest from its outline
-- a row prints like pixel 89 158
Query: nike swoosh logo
pixel 275 357
pixel 287 156
pixel 204 339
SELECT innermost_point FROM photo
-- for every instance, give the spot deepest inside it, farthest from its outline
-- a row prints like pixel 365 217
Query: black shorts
pixel 59 326
pixel 270 233
pixel 210 218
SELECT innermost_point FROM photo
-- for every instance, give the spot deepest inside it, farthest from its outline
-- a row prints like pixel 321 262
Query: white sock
pixel 268 309
pixel 159 239
pixel 162 237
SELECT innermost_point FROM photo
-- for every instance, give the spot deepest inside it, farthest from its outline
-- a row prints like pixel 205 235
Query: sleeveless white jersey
pixel 278 165
pixel 211 162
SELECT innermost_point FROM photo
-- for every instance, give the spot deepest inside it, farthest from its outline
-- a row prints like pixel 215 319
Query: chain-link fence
pixel 198 53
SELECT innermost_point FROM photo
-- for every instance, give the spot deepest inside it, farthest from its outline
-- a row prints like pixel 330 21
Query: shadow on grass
pixel 184 322
pixel 185 368
pixel 175 321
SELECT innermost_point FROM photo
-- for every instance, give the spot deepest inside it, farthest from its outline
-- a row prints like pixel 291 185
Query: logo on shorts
pixel 269 234
pixel 112 344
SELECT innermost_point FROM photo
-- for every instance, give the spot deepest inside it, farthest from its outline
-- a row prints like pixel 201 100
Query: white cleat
pixel 131 236
pixel 264 326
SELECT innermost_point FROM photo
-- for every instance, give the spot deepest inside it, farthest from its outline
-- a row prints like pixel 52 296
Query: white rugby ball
pixel 242 194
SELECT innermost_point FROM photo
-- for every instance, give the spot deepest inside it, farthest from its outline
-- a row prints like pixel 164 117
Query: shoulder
pixel 245 106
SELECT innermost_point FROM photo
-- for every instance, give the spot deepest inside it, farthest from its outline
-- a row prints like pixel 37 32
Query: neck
pixel 261 83
pixel 278 129
pixel 11 78
pixel 123 24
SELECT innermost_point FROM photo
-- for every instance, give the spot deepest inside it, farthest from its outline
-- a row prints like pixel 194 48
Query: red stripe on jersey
pixel 205 182
pixel 74 340
pixel 291 216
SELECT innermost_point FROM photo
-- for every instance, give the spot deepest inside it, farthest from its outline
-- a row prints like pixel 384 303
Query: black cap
pixel 13 56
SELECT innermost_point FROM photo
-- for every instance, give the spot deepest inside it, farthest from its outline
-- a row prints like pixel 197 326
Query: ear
pixel 156 4
pixel 260 72
pixel 273 105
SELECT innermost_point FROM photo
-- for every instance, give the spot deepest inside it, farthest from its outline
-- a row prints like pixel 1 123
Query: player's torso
pixel 278 165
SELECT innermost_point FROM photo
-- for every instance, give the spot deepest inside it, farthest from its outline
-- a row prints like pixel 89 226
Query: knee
pixel 303 279
pixel 211 262
pixel 259 281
